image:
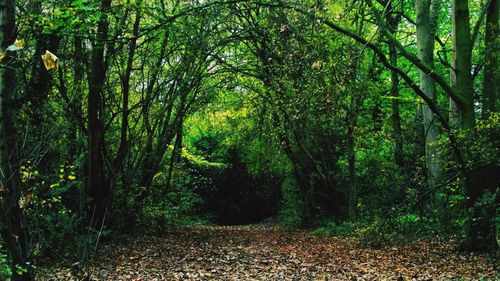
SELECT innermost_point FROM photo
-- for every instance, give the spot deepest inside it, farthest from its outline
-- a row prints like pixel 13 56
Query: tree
pixel 463 64
pixel 98 186
pixel 426 20
pixel 462 94
pixel 12 224
pixel 491 58
pixel 393 18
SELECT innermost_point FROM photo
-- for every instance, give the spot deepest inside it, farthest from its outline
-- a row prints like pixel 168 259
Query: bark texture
pixel 426 30
pixel 12 224
pixel 98 187
pixel 491 53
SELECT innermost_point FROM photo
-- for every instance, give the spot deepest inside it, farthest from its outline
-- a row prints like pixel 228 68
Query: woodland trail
pixel 261 252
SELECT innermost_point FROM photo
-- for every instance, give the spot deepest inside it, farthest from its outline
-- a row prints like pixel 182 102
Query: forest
pixel 249 140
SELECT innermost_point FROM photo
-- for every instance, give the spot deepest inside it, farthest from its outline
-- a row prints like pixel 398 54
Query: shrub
pixel 292 205
pixel 179 208
pixel 52 207
pixel 334 229
pixel 5 269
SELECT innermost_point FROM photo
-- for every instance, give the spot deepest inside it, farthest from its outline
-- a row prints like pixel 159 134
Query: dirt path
pixel 262 253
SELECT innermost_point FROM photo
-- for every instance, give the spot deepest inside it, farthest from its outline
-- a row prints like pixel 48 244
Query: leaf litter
pixel 260 252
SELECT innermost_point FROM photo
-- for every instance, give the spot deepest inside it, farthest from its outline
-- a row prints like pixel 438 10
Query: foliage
pixel 144 115
pixel 5 268
pixel 51 208
pixel 291 206
pixel 334 229
pixel 179 207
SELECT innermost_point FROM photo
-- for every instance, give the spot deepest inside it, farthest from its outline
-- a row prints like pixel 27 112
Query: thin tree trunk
pixel 454 114
pixel 491 58
pixel 74 112
pixel 393 20
pixel 425 23
pixel 352 115
pixel 124 143
pixel 175 156
pixel 396 119
pixel 352 204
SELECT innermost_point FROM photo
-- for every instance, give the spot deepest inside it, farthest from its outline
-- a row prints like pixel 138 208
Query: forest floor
pixel 260 252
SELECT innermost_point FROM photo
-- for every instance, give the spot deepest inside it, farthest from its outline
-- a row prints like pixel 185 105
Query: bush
pixel 5 269
pixel 181 207
pixel 334 229
pixel 292 205
pixel 399 228
pixel 52 208
pixel 376 234
pixel 55 232
pixel 164 218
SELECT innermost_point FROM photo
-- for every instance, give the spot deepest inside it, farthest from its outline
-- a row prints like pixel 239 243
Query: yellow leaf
pixel 20 43
pixel 317 64
pixel 71 178
pixel 50 60
pixel 2 55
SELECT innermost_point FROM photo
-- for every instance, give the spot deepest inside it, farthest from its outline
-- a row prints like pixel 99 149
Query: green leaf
pixel 13 48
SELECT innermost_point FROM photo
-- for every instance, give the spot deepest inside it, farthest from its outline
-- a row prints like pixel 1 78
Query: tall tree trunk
pixel 352 204
pixel 174 156
pixel 356 102
pixel 396 119
pixel 74 112
pixel 454 114
pixel 478 228
pixel 491 58
pixel 463 63
pixel 12 224
pixel 425 22
pixel 393 20
pixel 98 187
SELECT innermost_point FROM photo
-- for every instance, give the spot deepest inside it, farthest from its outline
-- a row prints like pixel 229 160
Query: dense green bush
pixel 5 266
pixel 53 210
pixel 400 227
pixel 180 208
pixel 179 202
pixel 5 270
pixel 56 232
pixel 291 206
pixel 334 229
